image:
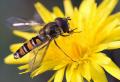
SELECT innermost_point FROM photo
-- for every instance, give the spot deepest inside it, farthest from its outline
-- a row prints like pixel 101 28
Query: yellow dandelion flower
pixel 100 31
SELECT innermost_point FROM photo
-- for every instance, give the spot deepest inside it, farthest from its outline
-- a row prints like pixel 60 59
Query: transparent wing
pixel 37 18
pixel 39 54
pixel 21 24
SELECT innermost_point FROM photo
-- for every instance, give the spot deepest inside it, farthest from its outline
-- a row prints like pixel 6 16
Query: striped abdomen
pixel 30 45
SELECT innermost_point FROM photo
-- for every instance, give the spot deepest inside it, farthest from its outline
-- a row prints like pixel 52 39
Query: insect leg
pixel 72 31
pixel 62 50
pixel 64 35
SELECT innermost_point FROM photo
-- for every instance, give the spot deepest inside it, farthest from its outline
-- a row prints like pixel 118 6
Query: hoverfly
pixel 48 33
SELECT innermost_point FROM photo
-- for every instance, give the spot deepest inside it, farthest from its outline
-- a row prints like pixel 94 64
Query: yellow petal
pixel 87 11
pixel 70 71
pixel 59 75
pixel 76 77
pixel 100 58
pixel 10 60
pixel 101 47
pixel 59 66
pixel 108 46
pixel 55 54
pixel 15 47
pixel 113 69
pixel 114 35
pixel 103 11
pixel 24 67
pixel 57 11
pixel 85 71
pixel 114 45
pixel 111 18
pixel 74 22
pixel 97 73
pixel 44 12
pixel 51 79
pixel 68 7
pixel 24 35
pixel 26 71
pixel 105 32
pixel 46 66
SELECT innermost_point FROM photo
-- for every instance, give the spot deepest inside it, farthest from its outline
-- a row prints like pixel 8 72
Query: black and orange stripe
pixel 30 45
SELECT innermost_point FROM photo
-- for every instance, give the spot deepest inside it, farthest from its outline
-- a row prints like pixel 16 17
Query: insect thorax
pixel 51 29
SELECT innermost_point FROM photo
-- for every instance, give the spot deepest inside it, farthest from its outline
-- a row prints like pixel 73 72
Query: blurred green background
pixel 25 9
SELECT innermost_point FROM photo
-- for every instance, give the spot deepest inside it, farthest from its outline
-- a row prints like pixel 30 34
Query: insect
pixel 49 32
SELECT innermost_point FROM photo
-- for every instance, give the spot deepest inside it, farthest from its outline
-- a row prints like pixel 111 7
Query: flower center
pixel 80 53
